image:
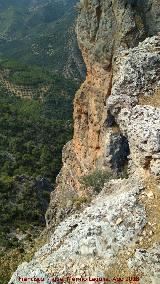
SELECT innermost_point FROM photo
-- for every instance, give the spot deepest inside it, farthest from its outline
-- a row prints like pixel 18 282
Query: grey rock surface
pixel 136 74
pixel 92 238
pixel 148 262
pixel 136 79
pixel 141 126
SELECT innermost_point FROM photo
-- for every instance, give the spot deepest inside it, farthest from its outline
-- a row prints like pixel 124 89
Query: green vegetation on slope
pixel 42 33
pixel 32 134
pixel 25 75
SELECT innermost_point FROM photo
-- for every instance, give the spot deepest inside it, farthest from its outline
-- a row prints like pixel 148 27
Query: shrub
pixel 124 173
pixel 84 4
pixel 80 200
pixel 96 179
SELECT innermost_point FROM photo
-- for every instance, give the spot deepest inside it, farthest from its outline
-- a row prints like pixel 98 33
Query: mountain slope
pixel 41 33
pixel 40 64
pixel 114 238
pixel 33 104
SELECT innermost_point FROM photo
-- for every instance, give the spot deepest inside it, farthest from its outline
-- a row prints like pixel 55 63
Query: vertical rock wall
pixel 106 29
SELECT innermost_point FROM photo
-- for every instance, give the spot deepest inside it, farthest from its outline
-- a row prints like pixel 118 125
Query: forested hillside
pixel 41 33
pixel 41 68
pixel 32 133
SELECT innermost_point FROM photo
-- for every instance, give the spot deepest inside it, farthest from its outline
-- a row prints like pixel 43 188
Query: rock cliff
pixel 116 126
pixel 117 70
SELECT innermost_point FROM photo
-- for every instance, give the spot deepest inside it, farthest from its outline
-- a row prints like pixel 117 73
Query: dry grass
pixel 139 22
pixel 151 100
pixel 150 234
pixel 152 207
pixel 11 259
pixel 80 200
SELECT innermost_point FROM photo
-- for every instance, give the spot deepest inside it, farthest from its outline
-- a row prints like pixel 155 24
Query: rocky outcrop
pixel 134 103
pixel 116 125
pixel 109 239
pixel 107 33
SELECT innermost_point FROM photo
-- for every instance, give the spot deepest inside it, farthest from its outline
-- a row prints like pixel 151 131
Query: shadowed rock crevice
pixel 110 121
pixel 119 150
pixel 98 13
pixel 149 13
pixel 118 146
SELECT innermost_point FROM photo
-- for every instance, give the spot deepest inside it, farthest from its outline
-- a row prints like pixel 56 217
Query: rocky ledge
pixel 115 236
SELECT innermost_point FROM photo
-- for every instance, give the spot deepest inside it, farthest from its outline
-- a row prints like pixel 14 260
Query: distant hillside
pixel 35 123
pixel 42 33
pixel 40 70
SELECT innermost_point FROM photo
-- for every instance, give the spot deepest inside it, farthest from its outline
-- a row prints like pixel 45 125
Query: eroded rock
pixel 94 237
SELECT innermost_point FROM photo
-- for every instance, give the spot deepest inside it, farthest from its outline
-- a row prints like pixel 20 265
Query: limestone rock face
pixel 106 240
pixel 134 103
pixel 118 68
pixel 95 235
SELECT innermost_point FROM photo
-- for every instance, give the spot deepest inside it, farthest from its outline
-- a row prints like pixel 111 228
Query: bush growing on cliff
pixel 84 4
pixel 96 179
pixel 80 200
